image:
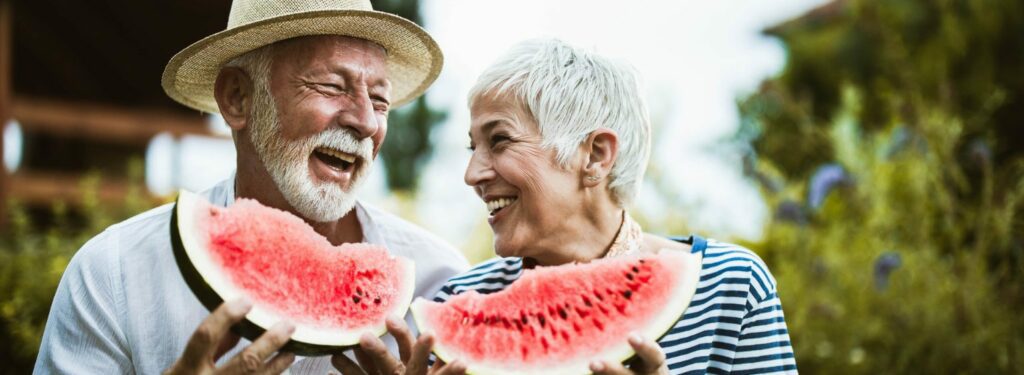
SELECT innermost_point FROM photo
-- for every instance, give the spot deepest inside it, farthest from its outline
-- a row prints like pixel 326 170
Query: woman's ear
pixel 601 148
pixel 233 92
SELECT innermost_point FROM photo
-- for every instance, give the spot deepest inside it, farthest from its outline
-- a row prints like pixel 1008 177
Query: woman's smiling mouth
pixel 498 204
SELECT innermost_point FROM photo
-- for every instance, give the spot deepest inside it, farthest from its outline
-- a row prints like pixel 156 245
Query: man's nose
pixel 359 115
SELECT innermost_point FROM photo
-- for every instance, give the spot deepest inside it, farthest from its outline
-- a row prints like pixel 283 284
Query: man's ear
pixel 233 92
pixel 601 148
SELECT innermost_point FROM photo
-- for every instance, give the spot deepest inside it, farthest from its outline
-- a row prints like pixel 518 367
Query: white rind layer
pixel 200 258
pixel 660 324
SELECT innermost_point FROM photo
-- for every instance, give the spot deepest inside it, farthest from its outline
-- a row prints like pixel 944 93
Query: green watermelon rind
pixel 621 352
pixel 193 260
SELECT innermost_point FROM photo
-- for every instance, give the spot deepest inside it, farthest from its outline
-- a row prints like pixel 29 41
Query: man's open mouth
pixel 335 159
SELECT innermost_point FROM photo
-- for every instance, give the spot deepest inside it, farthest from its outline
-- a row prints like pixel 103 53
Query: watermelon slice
pixel 556 320
pixel 333 294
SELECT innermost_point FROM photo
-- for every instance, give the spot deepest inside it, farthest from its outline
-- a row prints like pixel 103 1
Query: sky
pixel 696 57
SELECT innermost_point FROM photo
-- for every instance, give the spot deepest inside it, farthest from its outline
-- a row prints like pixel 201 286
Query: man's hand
pixel 212 339
pixel 649 360
pixel 374 358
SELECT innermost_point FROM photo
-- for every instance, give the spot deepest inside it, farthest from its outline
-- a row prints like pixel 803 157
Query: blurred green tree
pixel 892 149
pixel 33 258
pixel 408 144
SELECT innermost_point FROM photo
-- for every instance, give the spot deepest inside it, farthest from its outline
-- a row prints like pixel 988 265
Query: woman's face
pixel 531 199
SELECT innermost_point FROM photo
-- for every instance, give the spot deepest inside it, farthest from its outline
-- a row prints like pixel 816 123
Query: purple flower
pixel 824 180
pixel 884 265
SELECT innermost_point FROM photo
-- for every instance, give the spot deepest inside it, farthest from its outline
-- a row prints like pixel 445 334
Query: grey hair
pixel 256 64
pixel 571 92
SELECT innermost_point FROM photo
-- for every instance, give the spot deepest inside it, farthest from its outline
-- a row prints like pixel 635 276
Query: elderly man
pixel 306 87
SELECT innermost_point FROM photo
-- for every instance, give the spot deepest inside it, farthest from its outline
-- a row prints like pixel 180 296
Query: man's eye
pixel 381 104
pixel 328 88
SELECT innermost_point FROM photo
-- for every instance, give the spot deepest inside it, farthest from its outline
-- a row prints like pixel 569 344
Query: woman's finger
pixel 346 365
pixel 649 356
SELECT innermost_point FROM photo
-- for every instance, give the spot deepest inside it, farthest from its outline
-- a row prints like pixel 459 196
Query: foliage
pixel 32 260
pixel 408 143
pixel 913 262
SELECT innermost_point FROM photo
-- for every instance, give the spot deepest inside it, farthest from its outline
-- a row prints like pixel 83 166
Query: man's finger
pixel 417 363
pixel 271 340
pixel 279 363
pixel 454 368
pixel 649 356
pixel 226 344
pixel 378 352
pixel 365 362
pixel 400 331
pixel 207 337
pixel 608 368
pixel 345 364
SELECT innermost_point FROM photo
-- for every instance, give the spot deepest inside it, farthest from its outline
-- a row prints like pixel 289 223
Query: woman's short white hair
pixel 571 92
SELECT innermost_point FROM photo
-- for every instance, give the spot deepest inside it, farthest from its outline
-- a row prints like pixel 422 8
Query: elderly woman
pixel 560 138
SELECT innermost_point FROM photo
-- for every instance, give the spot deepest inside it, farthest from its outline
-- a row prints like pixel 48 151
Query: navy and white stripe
pixel 734 323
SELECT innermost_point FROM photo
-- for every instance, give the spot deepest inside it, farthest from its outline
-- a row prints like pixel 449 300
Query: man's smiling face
pixel 320 120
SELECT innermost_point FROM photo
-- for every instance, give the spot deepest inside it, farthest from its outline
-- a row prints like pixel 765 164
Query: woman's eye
pixel 496 139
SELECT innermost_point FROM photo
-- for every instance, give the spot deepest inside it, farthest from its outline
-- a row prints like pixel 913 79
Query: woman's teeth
pixel 497 204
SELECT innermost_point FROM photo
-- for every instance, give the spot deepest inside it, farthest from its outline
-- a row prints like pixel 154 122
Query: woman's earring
pixel 593 178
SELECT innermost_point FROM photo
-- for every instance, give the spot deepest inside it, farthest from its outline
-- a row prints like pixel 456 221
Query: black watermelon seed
pixel 629 276
pixel 355 299
pixel 635 269
pixel 376 300
pixel 561 313
pixel 627 294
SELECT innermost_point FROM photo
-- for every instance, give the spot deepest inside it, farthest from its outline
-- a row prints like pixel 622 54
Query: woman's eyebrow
pixel 486 127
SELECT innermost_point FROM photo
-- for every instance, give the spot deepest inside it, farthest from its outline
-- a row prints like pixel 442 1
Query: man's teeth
pixel 348 158
pixel 499 203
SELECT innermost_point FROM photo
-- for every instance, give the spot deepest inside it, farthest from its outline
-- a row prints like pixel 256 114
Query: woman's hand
pixel 373 357
pixel 649 360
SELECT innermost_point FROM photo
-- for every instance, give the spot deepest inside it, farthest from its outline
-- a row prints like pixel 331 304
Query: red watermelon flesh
pixel 295 272
pixel 332 293
pixel 559 319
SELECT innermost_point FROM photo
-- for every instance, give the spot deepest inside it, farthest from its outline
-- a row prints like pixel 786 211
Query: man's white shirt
pixel 123 307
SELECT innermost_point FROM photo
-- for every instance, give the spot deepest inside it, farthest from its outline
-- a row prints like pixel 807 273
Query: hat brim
pixel 414 60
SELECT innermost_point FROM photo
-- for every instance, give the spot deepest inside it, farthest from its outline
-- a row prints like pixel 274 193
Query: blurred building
pixel 80 91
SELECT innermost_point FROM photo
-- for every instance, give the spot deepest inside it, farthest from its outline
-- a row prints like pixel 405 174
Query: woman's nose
pixel 479 169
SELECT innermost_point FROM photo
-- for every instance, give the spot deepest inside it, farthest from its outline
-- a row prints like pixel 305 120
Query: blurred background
pixel 871 152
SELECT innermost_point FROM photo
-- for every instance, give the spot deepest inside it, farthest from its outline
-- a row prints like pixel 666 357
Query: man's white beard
pixel 288 162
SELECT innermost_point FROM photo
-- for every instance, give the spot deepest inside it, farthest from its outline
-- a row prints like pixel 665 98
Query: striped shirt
pixel 734 324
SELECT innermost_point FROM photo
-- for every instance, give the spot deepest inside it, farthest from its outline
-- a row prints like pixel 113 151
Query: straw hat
pixel 414 59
